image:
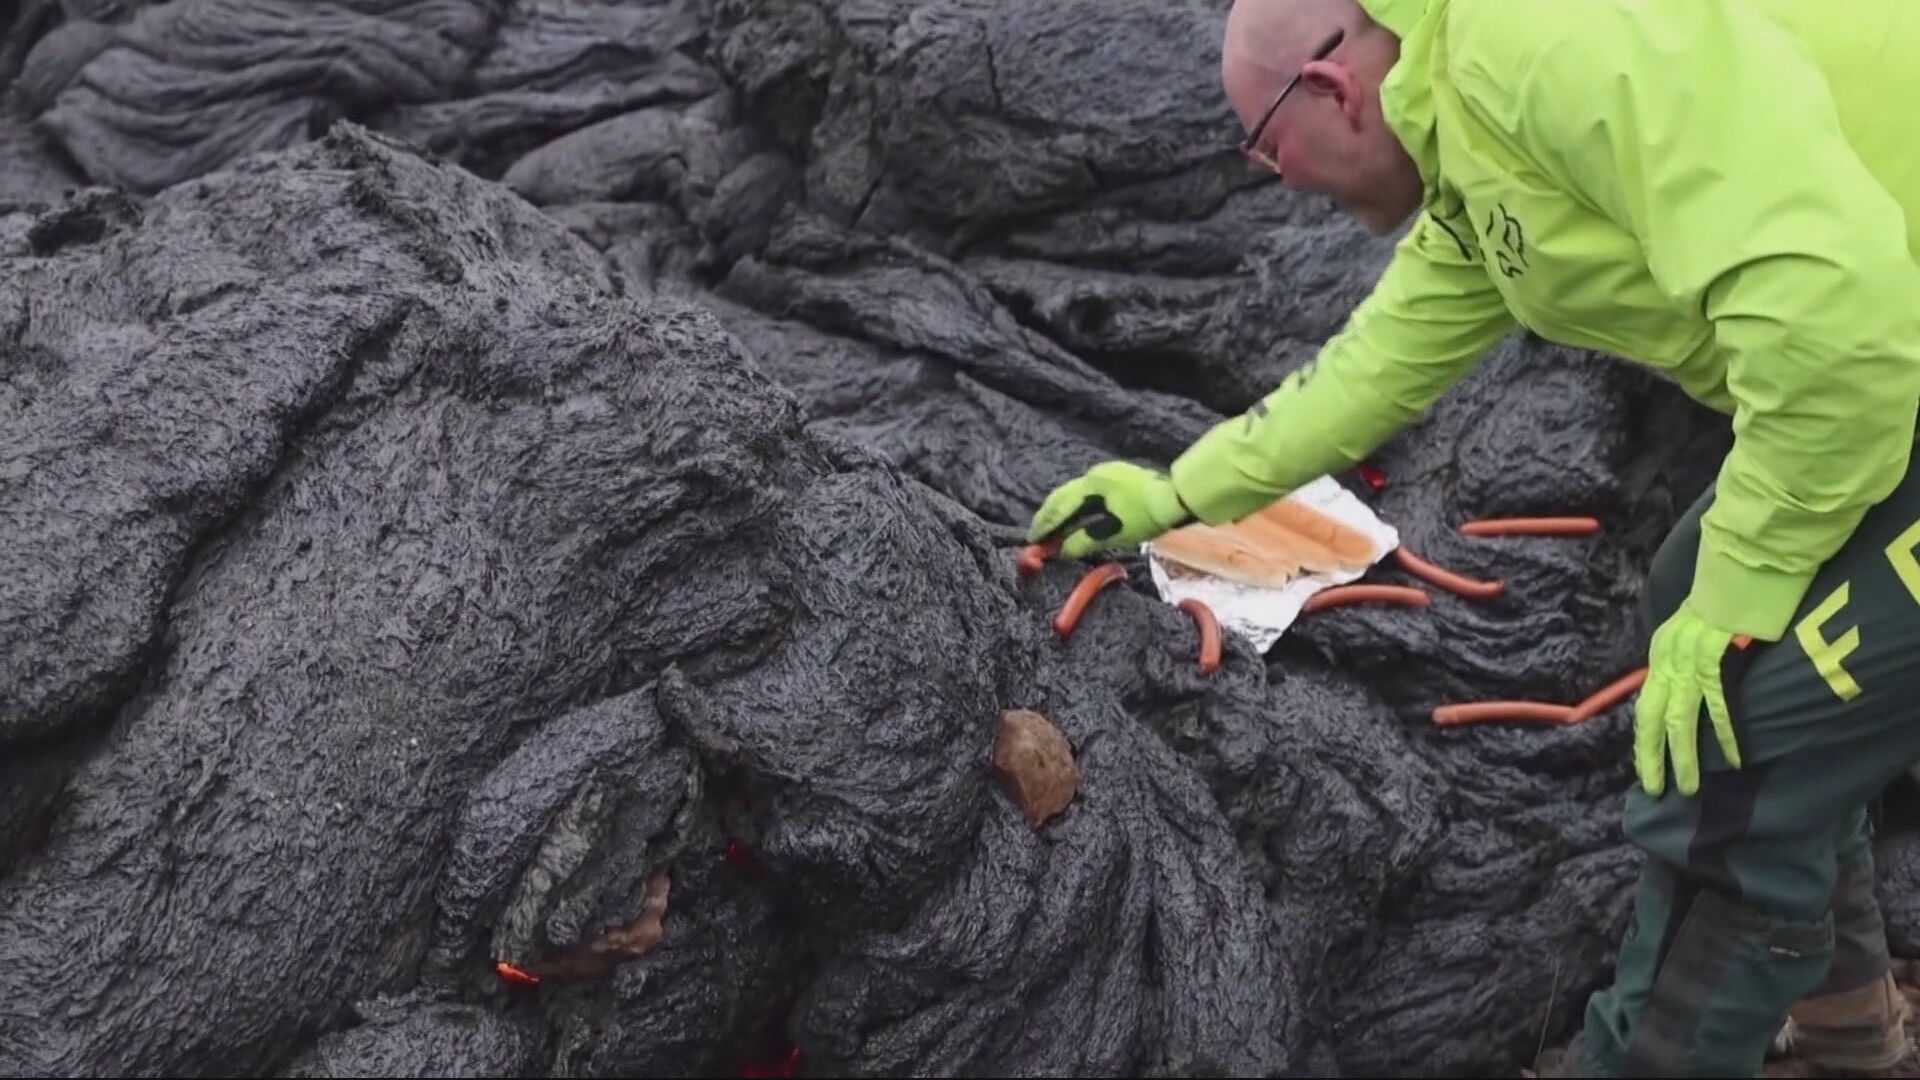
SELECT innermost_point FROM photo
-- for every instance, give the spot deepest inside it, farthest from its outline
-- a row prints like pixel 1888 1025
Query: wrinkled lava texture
pixel 466 461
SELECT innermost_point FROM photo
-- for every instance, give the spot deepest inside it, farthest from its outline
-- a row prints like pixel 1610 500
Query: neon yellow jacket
pixel 1721 189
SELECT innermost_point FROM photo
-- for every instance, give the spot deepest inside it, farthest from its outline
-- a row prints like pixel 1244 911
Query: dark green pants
pixel 1758 890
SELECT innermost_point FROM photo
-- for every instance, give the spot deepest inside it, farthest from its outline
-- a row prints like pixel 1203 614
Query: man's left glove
pixel 1683 670
pixel 1140 500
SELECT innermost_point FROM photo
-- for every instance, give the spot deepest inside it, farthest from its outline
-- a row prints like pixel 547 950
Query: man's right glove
pixel 1141 500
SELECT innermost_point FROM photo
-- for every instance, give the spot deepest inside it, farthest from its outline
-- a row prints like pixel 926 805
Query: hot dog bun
pixel 1271 547
pixel 1319 542
pixel 1219 553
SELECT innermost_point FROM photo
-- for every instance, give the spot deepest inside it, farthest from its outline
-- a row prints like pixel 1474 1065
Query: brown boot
pixel 1553 1064
pixel 1860 1032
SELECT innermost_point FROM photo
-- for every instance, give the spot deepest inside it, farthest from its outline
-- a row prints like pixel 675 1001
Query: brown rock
pixel 597 958
pixel 638 937
pixel 1035 764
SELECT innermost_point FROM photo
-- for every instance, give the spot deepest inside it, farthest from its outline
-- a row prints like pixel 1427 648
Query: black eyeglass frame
pixel 1252 140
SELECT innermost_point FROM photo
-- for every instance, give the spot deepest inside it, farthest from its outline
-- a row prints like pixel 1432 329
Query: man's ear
pixel 1329 78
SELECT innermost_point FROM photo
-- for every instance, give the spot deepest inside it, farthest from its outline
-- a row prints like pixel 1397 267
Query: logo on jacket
pixel 1509 241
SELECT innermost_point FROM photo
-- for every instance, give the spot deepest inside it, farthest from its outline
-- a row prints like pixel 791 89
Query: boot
pixel 1862 1031
pixel 1701 982
pixel 1556 1064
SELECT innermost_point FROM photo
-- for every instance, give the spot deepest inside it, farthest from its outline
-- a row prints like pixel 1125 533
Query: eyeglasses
pixel 1250 145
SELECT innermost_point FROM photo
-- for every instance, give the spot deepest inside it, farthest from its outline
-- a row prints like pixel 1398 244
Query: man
pixel 1725 190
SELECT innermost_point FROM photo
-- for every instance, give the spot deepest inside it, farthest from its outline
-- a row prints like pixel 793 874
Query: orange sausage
pixel 1480 712
pixel 1209 634
pixel 1034 556
pixel 1608 696
pixel 1446 579
pixel 1541 526
pixel 1096 579
pixel 515 974
pixel 1616 691
pixel 1405 595
pixel 1596 703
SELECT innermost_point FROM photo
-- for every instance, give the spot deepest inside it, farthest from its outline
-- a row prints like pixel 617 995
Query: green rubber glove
pixel 1142 500
pixel 1683 670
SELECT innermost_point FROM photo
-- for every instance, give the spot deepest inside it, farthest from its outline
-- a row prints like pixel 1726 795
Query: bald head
pixel 1273 37
pixel 1331 136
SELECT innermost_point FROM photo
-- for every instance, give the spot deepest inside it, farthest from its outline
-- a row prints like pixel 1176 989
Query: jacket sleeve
pixel 1429 317
pixel 1704 131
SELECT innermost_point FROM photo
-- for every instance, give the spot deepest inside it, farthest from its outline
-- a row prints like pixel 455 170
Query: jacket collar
pixel 1406 94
